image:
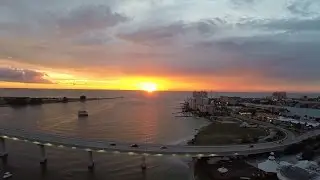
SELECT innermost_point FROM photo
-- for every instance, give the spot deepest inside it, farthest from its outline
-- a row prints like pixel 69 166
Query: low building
pixel 224 99
pixel 230 100
pixel 246 125
pixel 304 98
pixel 303 170
pixel 2 101
pixel 245 113
pixel 295 121
pixel 211 108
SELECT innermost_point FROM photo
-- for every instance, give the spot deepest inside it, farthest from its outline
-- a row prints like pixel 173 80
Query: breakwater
pixel 24 101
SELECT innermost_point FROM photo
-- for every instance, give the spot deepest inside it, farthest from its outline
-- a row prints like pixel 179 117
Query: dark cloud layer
pixel 88 18
pixel 293 25
pixel 155 35
pixel 273 39
pixel 290 55
pixel 303 7
pixel 22 75
pixel 28 19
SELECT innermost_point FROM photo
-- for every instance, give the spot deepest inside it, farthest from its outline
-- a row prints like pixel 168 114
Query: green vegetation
pixel 307 147
pixel 227 133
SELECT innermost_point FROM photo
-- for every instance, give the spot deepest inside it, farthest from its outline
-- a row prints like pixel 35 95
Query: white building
pixel 279 95
pixel 294 121
pixel 270 165
pixel 303 170
pixel 198 102
pixel 192 103
pixel 246 125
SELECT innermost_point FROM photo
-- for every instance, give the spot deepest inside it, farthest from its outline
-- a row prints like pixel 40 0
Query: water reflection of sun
pixel 148 86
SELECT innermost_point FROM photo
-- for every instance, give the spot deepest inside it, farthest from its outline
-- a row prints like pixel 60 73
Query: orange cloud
pixel 164 78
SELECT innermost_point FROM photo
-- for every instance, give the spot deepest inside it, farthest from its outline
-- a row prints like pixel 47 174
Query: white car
pixel 7 175
pixel 83 114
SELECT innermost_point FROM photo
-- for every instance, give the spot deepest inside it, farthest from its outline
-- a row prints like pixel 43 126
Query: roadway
pixel 104 146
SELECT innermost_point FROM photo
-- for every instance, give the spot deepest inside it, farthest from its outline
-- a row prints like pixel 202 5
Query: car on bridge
pixel 112 144
pixel 134 145
pixel 163 147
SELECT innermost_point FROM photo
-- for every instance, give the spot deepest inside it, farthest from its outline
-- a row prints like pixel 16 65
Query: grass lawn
pixel 219 134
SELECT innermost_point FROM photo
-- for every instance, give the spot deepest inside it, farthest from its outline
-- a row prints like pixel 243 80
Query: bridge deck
pixel 146 149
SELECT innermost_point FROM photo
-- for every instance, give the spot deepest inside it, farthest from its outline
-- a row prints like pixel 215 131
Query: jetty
pixel 25 101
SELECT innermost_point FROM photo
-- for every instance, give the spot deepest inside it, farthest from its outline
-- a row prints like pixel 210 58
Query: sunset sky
pixel 225 45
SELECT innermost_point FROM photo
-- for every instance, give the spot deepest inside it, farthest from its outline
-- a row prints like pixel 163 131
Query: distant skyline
pixel 219 45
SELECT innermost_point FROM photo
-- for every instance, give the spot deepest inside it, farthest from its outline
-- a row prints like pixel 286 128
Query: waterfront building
pixel 279 95
pixel 205 101
pixel 299 121
pixel 202 108
pixel 270 165
pixel 303 170
pixel 199 101
pixel 230 100
pixel 211 108
pixel 224 99
pixel 304 98
pixel 2 101
pixel 192 103
pixel 201 94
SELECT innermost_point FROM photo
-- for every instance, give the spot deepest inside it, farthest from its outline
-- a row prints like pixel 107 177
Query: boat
pixel 83 114
pixel 7 175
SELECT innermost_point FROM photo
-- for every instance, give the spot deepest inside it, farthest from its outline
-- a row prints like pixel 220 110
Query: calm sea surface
pixel 139 117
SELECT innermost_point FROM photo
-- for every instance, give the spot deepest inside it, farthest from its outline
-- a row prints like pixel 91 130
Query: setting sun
pixel 148 86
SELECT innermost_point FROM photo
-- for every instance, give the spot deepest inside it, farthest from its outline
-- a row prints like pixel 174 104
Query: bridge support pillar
pixel 43 160
pixel 143 163
pixel 192 166
pixel 4 153
pixel 91 162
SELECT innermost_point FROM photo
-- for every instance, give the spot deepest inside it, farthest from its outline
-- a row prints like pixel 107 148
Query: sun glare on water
pixel 148 86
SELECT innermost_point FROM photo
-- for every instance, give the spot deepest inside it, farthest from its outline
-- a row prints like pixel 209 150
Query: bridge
pixel 143 149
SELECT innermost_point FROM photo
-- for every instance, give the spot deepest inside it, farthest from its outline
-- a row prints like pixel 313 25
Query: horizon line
pixel 170 90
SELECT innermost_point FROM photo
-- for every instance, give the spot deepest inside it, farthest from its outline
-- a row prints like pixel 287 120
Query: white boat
pixel 7 175
pixel 83 114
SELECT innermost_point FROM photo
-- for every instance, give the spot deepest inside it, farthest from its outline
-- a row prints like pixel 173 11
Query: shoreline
pixel 185 140
pixel 187 160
